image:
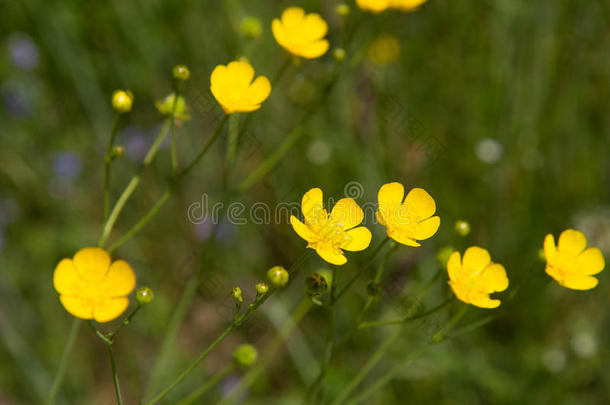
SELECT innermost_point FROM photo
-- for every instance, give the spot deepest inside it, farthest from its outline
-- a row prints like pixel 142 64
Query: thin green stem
pixel 442 334
pixel 207 146
pixel 376 280
pixel 174 152
pixel 107 161
pixel 115 375
pixel 363 268
pixel 406 319
pixel 131 186
pixel 235 324
pixel 126 321
pixel 232 142
pixel 63 362
pixel 272 348
pixel 207 385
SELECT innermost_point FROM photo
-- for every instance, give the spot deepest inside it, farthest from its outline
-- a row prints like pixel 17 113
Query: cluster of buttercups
pixel 91 286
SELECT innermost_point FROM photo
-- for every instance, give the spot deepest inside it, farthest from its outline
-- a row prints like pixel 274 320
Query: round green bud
pixel 122 100
pixel 443 255
pixel 245 355
pixel 251 27
pixel 262 288
pixel 144 295
pixel 541 255
pixel 181 72
pixel 236 293
pixel 342 10
pixel 339 54
pixel 118 151
pixel 278 276
pixel 180 109
pixel 462 227
pixel 316 284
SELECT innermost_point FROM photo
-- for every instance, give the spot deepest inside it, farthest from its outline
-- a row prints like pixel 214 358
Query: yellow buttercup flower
pixel 410 220
pixel 233 88
pixel 91 287
pixel 474 277
pixel 301 34
pixel 374 6
pixel 330 234
pixel 570 263
pixel 406 5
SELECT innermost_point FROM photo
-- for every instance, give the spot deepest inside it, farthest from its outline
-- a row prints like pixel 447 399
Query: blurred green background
pixel 499 109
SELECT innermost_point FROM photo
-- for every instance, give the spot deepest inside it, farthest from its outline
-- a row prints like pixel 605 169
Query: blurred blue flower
pixel 23 51
pixel 16 101
pixel 67 165
pixel 136 142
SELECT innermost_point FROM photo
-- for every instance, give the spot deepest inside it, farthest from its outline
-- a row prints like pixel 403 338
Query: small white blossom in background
pixel 489 150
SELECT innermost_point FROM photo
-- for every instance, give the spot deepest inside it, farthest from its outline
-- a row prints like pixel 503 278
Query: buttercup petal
pixel 427 228
pixel 347 213
pixel 315 49
pixel 476 258
pixel 421 202
pixel 312 205
pixel 494 278
pixel 590 262
pixel 292 17
pixel 302 230
pixel 401 237
pixel 454 266
pixel 407 5
pixel 120 280
pixel 374 6
pixel 78 306
pixel 110 309
pixel 483 301
pixel 332 256
pixel 315 26
pixel 91 263
pixel 240 71
pixel 357 239
pixel 65 279
pixel 571 242
pixel 279 32
pixel 550 250
pixel 391 194
pixel 259 90
pixel 580 282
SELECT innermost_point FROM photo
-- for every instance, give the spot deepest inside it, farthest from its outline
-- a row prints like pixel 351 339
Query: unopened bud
pixel 122 101
pixel 245 355
pixel 118 151
pixel 144 295
pixel 317 284
pixel 181 72
pixel 262 288
pixel 278 276
pixel 462 227
pixel 251 27
pixel 236 293
pixel 342 9
pixel 339 54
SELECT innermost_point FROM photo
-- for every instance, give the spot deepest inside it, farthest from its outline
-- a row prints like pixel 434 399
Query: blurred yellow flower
pixel 384 50
pixel 91 287
pixel 475 277
pixel 233 88
pixel 374 6
pixel 410 220
pixel 406 5
pixel 570 263
pixel 301 34
pixel 329 234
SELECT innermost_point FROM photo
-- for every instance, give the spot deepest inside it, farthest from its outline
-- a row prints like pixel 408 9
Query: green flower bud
pixel 181 72
pixel 118 151
pixel 251 27
pixel 245 355
pixel 144 295
pixel 316 284
pixel 166 106
pixel 278 276
pixel 339 54
pixel 462 227
pixel 541 255
pixel 342 10
pixel 443 255
pixel 262 288
pixel 122 100
pixel 236 293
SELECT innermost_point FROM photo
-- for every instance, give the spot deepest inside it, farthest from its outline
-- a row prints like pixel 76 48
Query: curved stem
pixel 63 363
pixel 407 319
pixel 115 375
pixel 131 186
pixel 107 162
